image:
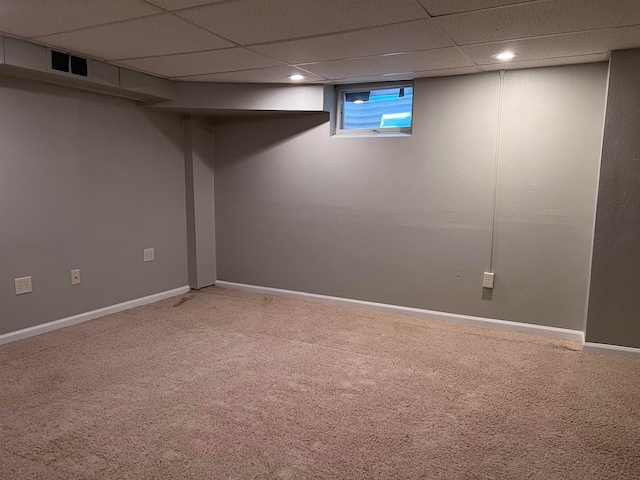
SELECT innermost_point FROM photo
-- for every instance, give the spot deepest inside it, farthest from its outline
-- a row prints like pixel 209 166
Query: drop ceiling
pixel 327 41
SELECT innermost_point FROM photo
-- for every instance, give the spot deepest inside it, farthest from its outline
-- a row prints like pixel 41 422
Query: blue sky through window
pixel 379 108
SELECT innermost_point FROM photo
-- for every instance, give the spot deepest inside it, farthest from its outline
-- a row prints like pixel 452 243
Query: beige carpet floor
pixel 226 384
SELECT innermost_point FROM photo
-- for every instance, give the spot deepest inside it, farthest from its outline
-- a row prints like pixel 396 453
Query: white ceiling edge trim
pixel 207 97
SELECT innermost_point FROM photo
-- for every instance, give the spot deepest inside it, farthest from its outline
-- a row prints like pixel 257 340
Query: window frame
pixel 342 90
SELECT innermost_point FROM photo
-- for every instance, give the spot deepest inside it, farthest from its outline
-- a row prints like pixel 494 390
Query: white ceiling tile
pixel 411 75
pixel 143 37
pixel 35 18
pixel 257 21
pixel 179 4
pixel 446 72
pixel 446 7
pixel 376 78
pixel 548 62
pixel 401 63
pixel 336 39
pixel 539 18
pixel 263 75
pixel 187 64
pixel 565 45
pixel 397 38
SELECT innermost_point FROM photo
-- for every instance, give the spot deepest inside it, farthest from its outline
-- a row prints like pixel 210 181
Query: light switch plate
pixel 75 276
pixel 149 254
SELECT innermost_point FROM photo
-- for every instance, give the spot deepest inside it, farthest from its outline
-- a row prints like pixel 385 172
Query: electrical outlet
pixel 149 254
pixel 487 280
pixel 23 285
pixel 75 276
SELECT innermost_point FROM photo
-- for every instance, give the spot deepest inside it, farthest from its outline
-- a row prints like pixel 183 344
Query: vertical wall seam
pixel 213 199
pixel 192 262
pixel 495 171
pixel 595 208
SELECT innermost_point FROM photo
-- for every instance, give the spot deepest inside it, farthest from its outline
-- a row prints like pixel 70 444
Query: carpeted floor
pixel 227 384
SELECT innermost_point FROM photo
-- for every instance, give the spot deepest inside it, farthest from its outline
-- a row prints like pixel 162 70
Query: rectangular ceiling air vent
pixel 59 61
pixel 79 66
pixel 66 63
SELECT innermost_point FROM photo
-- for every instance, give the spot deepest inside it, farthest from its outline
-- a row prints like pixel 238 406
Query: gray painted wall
pixel 407 220
pixel 614 302
pixel 86 181
pixel 201 240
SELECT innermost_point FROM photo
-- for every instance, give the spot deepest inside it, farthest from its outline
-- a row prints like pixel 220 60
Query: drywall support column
pixel 201 238
pixel 614 298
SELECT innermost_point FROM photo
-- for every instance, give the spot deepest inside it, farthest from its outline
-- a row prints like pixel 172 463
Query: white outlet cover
pixel 23 285
pixel 75 276
pixel 487 280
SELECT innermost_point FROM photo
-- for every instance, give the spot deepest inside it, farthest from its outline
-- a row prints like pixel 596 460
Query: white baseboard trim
pixel 611 350
pixel 542 330
pixel 83 317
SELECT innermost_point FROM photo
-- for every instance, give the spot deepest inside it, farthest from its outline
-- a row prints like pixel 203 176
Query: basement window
pixel 380 109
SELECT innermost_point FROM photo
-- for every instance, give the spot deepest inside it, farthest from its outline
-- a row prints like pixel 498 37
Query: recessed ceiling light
pixel 505 56
pixel 358 102
pixel 296 77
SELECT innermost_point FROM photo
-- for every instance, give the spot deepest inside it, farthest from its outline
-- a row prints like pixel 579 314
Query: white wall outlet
pixel 75 276
pixel 23 285
pixel 487 280
pixel 149 254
